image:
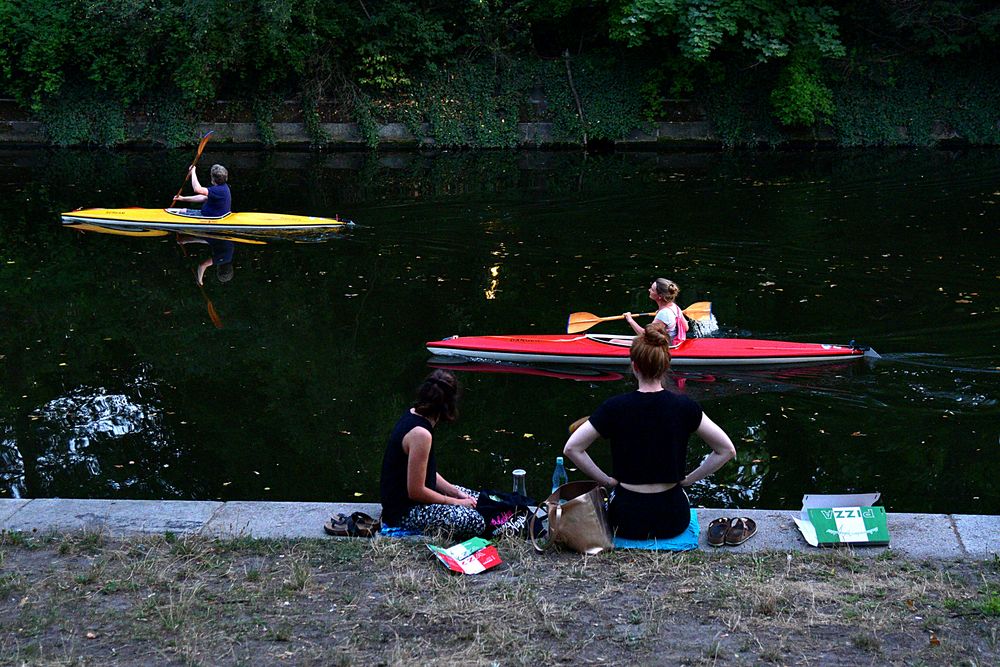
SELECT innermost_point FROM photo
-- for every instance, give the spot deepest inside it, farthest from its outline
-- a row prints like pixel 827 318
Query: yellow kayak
pixel 150 221
pixel 233 226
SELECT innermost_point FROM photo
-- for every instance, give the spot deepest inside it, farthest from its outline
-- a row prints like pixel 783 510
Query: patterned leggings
pixel 453 518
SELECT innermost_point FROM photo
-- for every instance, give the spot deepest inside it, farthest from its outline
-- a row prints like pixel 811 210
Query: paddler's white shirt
pixel 669 318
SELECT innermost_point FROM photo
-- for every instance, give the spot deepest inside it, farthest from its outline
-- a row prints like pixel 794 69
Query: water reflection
pixel 12 479
pixel 323 345
pixel 109 442
pixel 560 372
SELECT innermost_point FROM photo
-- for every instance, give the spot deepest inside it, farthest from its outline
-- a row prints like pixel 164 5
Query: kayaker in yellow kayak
pixel 664 292
pixel 217 203
pixel 216 199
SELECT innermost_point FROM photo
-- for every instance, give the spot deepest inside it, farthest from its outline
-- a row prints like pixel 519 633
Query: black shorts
pixel 643 516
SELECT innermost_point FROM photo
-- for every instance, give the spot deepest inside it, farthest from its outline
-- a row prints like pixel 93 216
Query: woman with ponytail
pixel 414 494
pixel 663 292
pixel 649 431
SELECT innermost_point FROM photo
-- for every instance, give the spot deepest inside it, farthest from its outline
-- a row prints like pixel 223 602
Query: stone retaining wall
pixel 917 536
pixel 689 134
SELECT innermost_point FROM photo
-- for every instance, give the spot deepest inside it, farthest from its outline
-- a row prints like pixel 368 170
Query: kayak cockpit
pixel 193 213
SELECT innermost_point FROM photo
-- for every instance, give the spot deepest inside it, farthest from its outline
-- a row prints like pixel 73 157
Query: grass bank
pixel 87 599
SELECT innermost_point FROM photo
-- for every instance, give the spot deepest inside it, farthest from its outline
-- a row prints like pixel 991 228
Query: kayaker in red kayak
pixel 664 292
pixel 649 431
pixel 414 495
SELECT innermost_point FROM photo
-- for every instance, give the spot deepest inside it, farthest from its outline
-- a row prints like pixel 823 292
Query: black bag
pixel 505 513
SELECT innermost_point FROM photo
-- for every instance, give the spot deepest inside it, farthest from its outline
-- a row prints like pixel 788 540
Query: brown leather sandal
pixel 338 526
pixel 740 530
pixel 717 531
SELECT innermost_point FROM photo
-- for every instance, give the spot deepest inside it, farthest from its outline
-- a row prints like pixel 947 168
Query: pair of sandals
pixel 357 524
pixel 731 531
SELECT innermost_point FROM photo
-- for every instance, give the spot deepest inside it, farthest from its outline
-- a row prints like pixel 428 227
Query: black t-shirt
pixel 392 485
pixel 649 434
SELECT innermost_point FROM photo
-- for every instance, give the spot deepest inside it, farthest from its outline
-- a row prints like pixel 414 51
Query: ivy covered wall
pixel 874 72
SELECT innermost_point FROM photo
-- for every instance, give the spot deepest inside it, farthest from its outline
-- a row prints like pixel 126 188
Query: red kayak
pixel 593 349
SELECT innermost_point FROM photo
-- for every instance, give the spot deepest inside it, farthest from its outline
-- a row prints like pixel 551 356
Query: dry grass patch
pixel 187 600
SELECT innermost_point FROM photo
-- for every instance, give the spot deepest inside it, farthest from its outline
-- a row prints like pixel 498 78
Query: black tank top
pixel 395 499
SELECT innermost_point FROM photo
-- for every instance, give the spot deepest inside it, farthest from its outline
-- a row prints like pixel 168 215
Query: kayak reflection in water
pixel 663 292
pixel 649 431
pixel 221 258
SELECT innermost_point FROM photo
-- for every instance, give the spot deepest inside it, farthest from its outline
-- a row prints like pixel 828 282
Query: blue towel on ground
pixel 686 541
pixel 395 531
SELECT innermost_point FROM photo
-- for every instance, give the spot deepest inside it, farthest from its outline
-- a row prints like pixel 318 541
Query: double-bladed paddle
pixel 213 314
pixel 582 321
pixel 197 156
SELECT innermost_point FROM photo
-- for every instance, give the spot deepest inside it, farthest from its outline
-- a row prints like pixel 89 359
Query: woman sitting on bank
pixel 663 292
pixel 649 431
pixel 414 495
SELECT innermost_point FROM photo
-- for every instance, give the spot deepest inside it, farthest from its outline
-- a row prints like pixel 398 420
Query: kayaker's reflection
pixel 221 258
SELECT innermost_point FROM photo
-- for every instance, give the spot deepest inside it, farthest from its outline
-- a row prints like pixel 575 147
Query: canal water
pixel 114 382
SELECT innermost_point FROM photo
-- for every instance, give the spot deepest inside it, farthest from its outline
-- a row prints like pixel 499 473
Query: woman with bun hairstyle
pixel 414 494
pixel 663 292
pixel 649 431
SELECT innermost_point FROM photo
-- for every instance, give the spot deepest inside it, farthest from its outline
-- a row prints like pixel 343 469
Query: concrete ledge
pixel 279 520
pixel 978 535
pixel 914 536
pixel 119 517
pixel 8 506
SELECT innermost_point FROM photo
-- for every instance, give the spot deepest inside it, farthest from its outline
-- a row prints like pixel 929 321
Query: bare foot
pixel 200 275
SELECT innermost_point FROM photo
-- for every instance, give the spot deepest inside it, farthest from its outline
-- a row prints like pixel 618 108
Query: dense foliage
pixel 465 72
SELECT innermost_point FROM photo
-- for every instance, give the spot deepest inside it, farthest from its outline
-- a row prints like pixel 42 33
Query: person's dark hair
pixel 437 396
pixel 224 272
pixel 650 351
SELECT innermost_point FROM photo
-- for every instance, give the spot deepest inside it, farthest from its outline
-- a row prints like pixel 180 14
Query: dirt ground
pixel 83 599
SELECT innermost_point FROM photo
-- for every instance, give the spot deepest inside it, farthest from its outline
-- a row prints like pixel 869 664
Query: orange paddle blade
pixel 700 310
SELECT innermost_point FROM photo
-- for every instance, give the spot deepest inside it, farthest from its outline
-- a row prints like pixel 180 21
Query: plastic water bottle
pixel 519 487
pixel 559 476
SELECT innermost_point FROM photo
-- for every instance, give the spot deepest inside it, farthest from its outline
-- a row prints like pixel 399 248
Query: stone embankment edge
pixel 914 536
pixel 688 134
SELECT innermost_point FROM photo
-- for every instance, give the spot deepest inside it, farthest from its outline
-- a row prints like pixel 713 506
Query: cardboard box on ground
pixel 843 519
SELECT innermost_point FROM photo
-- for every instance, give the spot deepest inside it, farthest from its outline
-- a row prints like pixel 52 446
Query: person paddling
pixel 664 292
pixel 218 202
pixel 216 199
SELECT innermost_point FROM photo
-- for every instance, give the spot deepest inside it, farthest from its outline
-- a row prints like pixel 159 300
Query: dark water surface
pixel 114 383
